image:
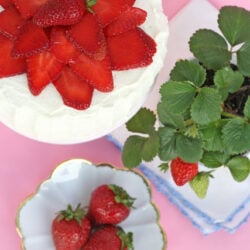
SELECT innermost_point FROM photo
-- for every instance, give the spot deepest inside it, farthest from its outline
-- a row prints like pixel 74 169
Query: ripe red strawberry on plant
pixel 10 22
pixel 9 66
pixel 110 204
pixel 70 229
pixel 75 92
pixel 110 237
pixel 59 12
pixel 182 172
pixel 27 8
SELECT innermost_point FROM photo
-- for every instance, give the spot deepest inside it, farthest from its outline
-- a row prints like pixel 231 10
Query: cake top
pixel 84 58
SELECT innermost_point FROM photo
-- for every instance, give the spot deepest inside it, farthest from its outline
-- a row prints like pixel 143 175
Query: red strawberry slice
pixel 182 172
pixel 88 36
pixel 27 8
pixel 75 92
pixel 60 46
pixel 130 2
pixel 128 20
pixel 132 49
pixel 9 66
pixel 59 12
pixel 31 40
pixel 41 70
pixel 97 73
pixel 108 10
pixel 5 3
pixel 10 22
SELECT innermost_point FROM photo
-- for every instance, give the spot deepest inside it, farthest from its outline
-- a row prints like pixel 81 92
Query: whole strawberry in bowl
pixel 84 66
pixel 63 212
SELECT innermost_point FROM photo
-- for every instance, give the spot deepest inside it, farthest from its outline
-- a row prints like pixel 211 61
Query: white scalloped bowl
pixel 71 183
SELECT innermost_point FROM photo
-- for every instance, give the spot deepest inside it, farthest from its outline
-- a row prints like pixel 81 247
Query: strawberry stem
pixel 72 214
pixel 89 4
pixel 121 196
pixel 126 240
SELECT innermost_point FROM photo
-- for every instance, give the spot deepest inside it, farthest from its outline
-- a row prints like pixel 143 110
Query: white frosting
pixel 45 117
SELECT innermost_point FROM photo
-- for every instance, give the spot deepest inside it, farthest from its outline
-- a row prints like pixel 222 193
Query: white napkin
pixel 227 203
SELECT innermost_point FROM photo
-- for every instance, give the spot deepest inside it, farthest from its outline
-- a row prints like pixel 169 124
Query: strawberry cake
pixel 73 71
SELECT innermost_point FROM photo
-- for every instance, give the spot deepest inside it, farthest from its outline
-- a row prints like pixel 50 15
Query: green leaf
pixel 236 136
pixel 185 70
pixel 142 122
pixel 243 61
pixel 247 109
pixel 192 131
pixel 239 168
pixel 167 143
pixel 200 184
pixel 189 149
pixel 132 151
pixel 206 107
pixel 150 148
pixel 234 23
pixel 210 48
pixel 164 167
pixel 178 96
pixel 167 118
pixel 214 159
pixel 228 81
pixel 212 137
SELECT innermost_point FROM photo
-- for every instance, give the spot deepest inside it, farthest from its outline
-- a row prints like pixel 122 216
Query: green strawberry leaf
pixel 234 23
pixel 167 143
pixel 228 81
pixel 192 131
pixel 243 61
pixel 178 96
pixel 235 134
pixel 239 167
pixel 189 149
pixel 185 70
pixel 200 184
pixel 206 107
pixel 151 147
pixel 212 137
pixel 214 159
pixel 143 122
pixel 132 151
pixel 168 118
pixel 210 48
pixel 164 167
pixel 247 109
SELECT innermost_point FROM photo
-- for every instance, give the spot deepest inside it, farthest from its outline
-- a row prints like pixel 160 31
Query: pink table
pixel 24 163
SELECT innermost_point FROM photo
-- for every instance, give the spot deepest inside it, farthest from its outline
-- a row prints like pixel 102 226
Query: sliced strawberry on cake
pixel 5 3
pixel 75 92
pixel 61 47
pixel 108 10
pixel 97 73
pixel 30 40
pixel 9 66
pixel 138 52
pixel 10 22
pixel 59 12
pixel 128 20
pixel 27 8
pixel 88 36
pixel 42 68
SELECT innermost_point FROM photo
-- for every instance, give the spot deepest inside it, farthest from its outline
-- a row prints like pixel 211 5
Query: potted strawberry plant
pixel 203 114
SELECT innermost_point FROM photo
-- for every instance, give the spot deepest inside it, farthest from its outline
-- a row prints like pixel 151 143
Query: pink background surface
pixel 24 163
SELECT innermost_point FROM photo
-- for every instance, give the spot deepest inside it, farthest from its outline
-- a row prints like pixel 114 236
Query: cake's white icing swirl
pixel 46 119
